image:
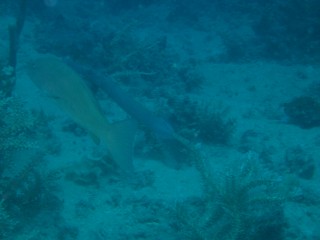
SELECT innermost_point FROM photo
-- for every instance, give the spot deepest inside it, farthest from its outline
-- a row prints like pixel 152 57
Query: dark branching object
pixel 303 111
pixel 211 125
pixel 25 191
pixel 240 204
pixel 8 69
pixel 297 161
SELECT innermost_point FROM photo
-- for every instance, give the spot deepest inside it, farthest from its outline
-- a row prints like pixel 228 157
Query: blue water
pixel 226 97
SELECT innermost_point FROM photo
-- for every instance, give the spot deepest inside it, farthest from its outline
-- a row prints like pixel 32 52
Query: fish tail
pixel 120 140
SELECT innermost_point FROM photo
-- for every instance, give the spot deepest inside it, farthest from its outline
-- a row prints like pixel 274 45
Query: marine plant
pixel 299 162
pixel 7 77
pixel 202 121
pixel 16 125
pixel 276 33
pixel 25 193
pixel 8 65
pixel 303 111
pixel 25 190
pixel 7 223
pixel 118 51
pixel 237 204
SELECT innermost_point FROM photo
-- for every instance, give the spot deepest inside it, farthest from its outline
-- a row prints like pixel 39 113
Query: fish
pixel 171 142
pixel 71 93
pixel 160 126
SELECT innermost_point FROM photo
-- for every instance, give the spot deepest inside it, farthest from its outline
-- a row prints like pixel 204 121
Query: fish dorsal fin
pixel 120 141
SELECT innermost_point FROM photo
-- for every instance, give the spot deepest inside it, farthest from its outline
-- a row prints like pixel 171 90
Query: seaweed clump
pixel 240 204
pixel 201 121
pixel 297 161
pixel 303 111
pixel 16 126
pixel 26 190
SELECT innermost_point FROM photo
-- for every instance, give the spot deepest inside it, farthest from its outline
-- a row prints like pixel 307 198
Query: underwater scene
pixel 160 120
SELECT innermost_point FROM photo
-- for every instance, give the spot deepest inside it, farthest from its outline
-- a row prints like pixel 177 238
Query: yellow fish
pixel 73 96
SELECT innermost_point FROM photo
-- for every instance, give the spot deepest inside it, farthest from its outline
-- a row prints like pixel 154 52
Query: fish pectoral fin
pixel 120 142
